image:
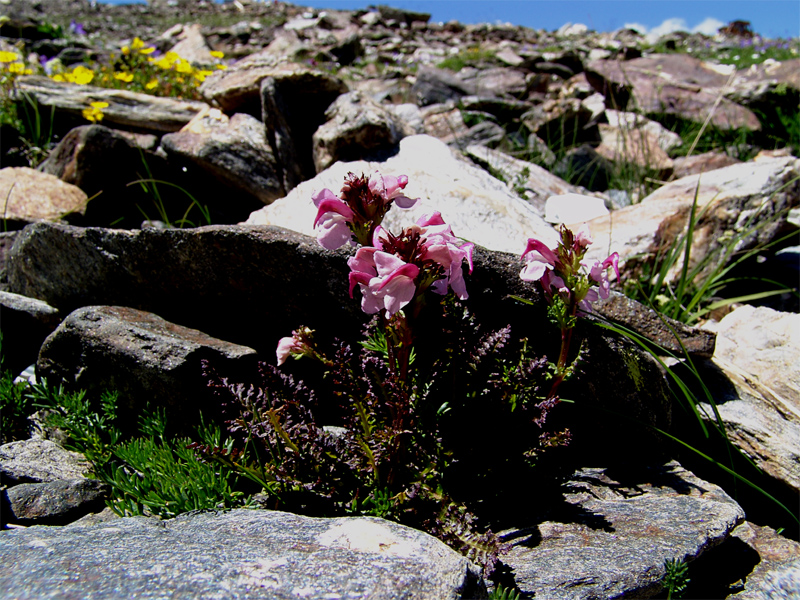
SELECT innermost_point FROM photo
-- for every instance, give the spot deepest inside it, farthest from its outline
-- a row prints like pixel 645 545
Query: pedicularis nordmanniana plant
pixel 435 419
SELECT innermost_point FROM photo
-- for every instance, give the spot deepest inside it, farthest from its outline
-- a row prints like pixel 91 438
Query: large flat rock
pixel 242 554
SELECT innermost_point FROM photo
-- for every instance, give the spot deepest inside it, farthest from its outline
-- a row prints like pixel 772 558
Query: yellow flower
pixel 18 68
pixel 95 111
pixel 136 44
pixel 148 50
pixel 126 50
pixel 58 77
pixel 201 75
pixel 125 76
pixel 81 75
pixel 153 83
pixel 184 67
pixel 222 67
pixel 217 54
pixel 7 57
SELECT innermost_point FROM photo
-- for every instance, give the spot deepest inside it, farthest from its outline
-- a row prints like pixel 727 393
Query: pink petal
pixel 332 205
pixel 541 248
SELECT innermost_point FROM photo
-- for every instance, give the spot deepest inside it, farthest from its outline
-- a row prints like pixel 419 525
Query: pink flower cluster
pixel 564 271
pixel 395 269
pixel 355 215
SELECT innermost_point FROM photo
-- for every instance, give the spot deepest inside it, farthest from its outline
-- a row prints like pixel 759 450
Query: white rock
pixel 479 208
pixel 573 208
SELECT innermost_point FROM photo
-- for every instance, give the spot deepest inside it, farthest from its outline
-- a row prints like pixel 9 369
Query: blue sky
pixel 770 18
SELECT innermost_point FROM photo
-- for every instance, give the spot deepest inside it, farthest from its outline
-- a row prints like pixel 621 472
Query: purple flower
pixel 76 28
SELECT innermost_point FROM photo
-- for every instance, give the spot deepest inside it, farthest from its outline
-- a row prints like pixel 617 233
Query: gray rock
pixel 102 162
pixel 618 531
pixel 6 242
pixel 646 322
pixel 39 461
pixel 561 122
pixel 54 502
pixel 142 357
pixel 247 285
pixel 437 86
pixel 586 167
pixel 237 88
pixel 235 151
pixel 293 106
pixel 134 110
pixel 356 127
pixel 779 560
pixel 24 323
pixel 244 554
pixel 779 582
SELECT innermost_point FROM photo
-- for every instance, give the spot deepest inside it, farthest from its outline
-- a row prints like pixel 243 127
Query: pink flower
pixel 563 268
pixel 359 211
pixel 445 249
pixel 539 259
pixel 389 188
pixel 288 346
pixel 332 221
pixel 386 281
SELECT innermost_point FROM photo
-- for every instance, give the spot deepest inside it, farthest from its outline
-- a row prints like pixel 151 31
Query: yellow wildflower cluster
pixel 80 75
pixel 12 63
pixel 140 68
pixel 94 112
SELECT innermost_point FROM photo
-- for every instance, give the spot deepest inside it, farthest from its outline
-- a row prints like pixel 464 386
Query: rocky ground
pixel 507 131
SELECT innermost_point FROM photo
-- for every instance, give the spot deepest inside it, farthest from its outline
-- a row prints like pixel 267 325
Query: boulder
pixel 777 574
pixel 39 461
pixel 437 86
pixel 700 163
pixel 140 356
pixel 235 151
pixel 753 194
pixel 53 503
pixel 477 206
pixel 247 285
pixel 128 110
pixel 293 106
pixel 104 162
pixel 237 88
pixel 615 531
pixel 30 196
pixel 586 167
pixel 356 127
pixel 242 553
pixel 192 46
pixel 24 324
pixel 756 386
pixel 529 180
pixel 672 84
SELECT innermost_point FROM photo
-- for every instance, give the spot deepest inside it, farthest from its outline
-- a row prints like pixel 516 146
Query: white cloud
pixel 709 26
